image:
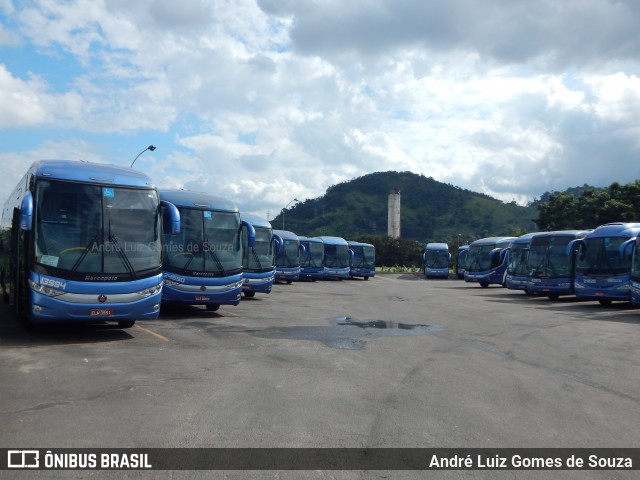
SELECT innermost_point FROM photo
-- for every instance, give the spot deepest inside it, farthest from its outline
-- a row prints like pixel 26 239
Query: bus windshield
pixel 548 258
pixel 209 241
pixel 600 256
pixel 364 256
pixel 290 256
pixel 94 229
pixel 437 259
pixel 518 259
pixel 479 258
pixel 336 256
pixel 260 256
pixel 313 255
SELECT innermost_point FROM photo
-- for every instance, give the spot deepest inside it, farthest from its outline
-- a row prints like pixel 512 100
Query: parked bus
pixel 311 258
pixel 635 273
pixel 551 265
pixel 517 255
pixel 202 264
pixel 436 259
pixel 258 261
pixel 82 242
pixel 461 261
pixel 487 261
pixel 287 256
pixel 336 257
pixel 603 263
pixel 362 260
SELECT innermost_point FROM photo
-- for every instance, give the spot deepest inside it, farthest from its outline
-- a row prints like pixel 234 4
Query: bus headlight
pixel 43 289
pixel 170 283
pixel 147 292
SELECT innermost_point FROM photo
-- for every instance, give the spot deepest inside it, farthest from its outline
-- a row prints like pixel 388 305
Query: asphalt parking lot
pixel 396 361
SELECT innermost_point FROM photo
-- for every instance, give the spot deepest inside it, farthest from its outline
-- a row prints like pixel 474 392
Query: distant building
pixel 393 229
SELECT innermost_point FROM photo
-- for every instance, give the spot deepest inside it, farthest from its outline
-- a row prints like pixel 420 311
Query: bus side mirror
pixel 302 249
pixel 26 212
pixel 251 234
pixel 279 244
pixel 626 249
pixel 171 224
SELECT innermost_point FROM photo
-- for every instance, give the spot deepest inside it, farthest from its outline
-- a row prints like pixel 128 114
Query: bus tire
pixel 126 323
pixel 366 278
pixel 605 301
pixel 212 307
pixel 484 284
pixel 249 294
pixel 553 296
pixel 289 281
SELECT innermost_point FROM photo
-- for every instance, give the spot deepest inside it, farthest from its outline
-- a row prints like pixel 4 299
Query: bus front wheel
pixel 606 302
pixel 126 323
pixel 249 294
pixel 484 284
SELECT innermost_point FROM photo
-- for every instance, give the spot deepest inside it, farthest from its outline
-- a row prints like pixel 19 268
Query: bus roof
pixel 255 220
pixel 285 234
pixel 81 171
pixel 526 238
pixel 562 233
pixel 333 240
pixel 309 239
pixel 199 200
pixel 616 230
pixel 359 244
pixel 492 241
pixel 437 246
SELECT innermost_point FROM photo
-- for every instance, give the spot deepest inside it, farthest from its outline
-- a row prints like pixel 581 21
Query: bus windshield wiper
pixel 84 253
pixel 255 255
pixel 121 255
pixel 213 255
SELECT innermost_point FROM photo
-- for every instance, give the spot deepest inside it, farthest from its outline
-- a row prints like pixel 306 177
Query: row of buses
pixel 82 241
pixel 325 257
pixel 602 264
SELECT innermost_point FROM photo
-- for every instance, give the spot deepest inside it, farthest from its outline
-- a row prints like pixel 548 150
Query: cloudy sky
pixel 261 101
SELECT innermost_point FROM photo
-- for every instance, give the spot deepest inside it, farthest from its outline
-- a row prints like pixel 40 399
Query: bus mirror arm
pixel 251 234
pixel 279 243
pixel 628 245
pixel 26 212
pixel 174 216
pixel 573 245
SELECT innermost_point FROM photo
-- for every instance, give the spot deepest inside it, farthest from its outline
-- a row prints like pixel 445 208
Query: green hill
pixel 430 211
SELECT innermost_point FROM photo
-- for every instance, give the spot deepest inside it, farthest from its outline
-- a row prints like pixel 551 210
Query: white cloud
pixel 272 100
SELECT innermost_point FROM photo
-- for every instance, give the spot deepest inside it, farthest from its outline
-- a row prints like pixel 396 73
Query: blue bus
pixel 551 264
pixel 82 242
pixel 311 258
pixel 258 261
pixel 487 261
pixel 603 263
pixel 336 257
pixel 436 259
pixel 461 261
pixel 202 264
pixel 635 273
pixel 362 260
pixel 287 256
pixel 517 273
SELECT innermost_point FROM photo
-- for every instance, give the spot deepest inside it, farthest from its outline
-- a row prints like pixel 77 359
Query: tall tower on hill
pixel 393 228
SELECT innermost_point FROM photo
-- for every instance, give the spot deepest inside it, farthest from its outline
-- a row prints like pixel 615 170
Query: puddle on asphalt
pixel 348 333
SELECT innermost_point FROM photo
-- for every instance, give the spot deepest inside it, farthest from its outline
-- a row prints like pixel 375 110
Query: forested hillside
pixel 431 211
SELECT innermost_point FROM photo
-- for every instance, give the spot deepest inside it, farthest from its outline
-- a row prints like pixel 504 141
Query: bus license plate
pixel 599 294
pixel 101 312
